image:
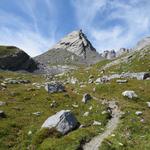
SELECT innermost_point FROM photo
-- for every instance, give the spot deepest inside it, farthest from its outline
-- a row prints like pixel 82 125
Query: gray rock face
pixel 54 87
pixel 75 48
pixel 143 43
pixel 86 98
pixel 64 122
pixel 12 58
pixel 123 51
pixel 109 54
pixel 129 94
pixel 137 75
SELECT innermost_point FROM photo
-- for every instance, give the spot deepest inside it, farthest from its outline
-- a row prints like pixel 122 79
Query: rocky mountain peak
pixel 77 43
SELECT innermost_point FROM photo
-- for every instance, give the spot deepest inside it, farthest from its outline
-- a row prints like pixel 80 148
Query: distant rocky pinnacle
pixel 77 43
pixel 74 48
pixel 12 58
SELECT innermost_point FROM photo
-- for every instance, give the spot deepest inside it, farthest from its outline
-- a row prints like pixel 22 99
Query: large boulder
pixel 64 122
pixel 54 87
pixel 12 58
pixel 129 94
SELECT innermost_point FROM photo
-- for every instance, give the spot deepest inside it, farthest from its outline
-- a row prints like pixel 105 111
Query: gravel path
pixel 96 142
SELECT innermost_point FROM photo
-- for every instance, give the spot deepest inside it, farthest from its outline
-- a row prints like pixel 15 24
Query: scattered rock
pixel 64 122
pixel 129 94
pixel 85 114
pixel 148 103
pixel 138 113
pixel 86 98
pixel 2 114
pixel 75 106
pixel 90 108
pixel 73 81
pixel 54 88
pixel 2 103
pixel 37 113
pixel 53 104
pixel 102 80
pixel 97 123
pixel 122 81
pixel 30 132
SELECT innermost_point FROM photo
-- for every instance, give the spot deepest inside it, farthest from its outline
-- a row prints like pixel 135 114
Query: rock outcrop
pixel 109 54
pixel 75 48
pixel 12 58
pixel 143 43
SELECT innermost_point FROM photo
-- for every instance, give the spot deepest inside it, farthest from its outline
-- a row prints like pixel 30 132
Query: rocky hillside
pixel 143 43
pixel 75 48
pixel 12 58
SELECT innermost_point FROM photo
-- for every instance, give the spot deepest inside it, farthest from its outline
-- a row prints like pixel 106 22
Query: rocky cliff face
pixel 74 48
pixel 143 43
pixel 12 58
pixel 109 54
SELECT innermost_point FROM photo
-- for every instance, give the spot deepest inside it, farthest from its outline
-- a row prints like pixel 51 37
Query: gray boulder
pixel 54 87
pixel 64 122
pixel 122 81
pixel 2 114
pixel 2 103
pixel 129 94
pixel 86 98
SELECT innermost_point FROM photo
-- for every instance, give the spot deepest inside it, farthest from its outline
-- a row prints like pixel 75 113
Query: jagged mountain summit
pixel 75 48
pixel 13 58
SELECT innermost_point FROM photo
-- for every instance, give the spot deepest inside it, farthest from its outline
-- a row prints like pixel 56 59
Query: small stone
pixel 90 108
pixel 138 113
pixel 148 103
pixel 30 132
pixel 86 98
pixel 2 114
pixel 97 123
pixel 86 114
pixel 54 88
pixel 2 103
pixel 120 144
pixel 122 81
pixel 104 112
pixel 113 135
pixel 37 113
pixel 75 106
pixel 129 94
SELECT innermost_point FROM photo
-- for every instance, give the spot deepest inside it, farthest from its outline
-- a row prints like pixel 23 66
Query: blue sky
pixel 36 25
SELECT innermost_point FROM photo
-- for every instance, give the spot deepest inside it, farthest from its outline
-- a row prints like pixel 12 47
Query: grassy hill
pixel 22 100
pixel 7 50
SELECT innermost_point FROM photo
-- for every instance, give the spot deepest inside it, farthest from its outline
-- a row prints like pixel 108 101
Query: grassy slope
pixel 14 129
pixel 132 133
pixel 7 50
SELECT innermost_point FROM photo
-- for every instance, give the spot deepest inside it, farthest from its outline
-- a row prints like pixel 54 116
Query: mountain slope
pixel 75 46
pixel 12 58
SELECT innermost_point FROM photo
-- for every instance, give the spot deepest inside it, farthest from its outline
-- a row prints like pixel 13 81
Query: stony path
pixel 96 142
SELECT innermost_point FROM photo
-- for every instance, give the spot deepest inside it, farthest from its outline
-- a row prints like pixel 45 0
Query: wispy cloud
pixel 24 32
pixel 113 24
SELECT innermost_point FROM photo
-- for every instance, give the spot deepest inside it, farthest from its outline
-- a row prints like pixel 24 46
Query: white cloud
pixel 31 42
pixel 133 13
pixel 16 30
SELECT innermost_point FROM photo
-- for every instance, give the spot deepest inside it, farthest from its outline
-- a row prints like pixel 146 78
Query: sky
pixel 36 25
